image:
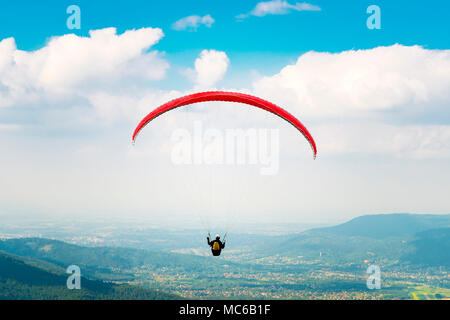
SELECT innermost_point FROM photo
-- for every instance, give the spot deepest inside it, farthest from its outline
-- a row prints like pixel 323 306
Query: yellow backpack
pixel 216 246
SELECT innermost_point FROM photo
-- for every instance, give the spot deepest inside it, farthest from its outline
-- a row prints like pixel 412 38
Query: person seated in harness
pixel 216 245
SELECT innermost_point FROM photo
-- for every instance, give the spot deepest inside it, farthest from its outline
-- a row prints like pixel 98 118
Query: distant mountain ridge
pixel 382 226
pixel 412 239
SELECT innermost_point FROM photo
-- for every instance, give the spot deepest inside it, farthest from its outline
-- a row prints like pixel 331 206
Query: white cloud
pixel 193 22
pixel 356 83
pixel 390 101
pixel 70 65
pixel 210 67
pixel 380 95
pixel 278 7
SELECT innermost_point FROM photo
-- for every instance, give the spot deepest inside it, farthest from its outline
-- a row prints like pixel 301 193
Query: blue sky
pixel 341 25
pixel 380 116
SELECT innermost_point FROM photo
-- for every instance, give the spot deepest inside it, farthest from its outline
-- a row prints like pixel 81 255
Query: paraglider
pixel 217 245
pixel 229 97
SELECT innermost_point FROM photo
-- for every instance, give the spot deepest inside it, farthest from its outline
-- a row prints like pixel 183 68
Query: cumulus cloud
pixel 210 67
pixel 384 101
pixel 278 7
pixel 396 80
pixel 382 95
pixel 193 22
pixel 70 64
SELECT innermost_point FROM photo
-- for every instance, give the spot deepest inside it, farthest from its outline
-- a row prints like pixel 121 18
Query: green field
pixel 427 293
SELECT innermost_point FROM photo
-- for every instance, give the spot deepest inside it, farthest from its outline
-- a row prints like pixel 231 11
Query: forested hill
pixel 27 279
pixel 431 248
pixel 103 262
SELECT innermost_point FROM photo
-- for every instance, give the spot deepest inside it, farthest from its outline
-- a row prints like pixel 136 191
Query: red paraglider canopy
pixel 229 97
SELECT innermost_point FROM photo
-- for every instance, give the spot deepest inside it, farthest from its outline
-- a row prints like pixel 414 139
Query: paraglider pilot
pixel 216 245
